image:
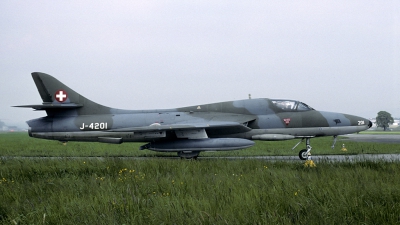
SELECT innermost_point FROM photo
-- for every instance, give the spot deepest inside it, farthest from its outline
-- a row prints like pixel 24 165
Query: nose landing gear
pixel 304 154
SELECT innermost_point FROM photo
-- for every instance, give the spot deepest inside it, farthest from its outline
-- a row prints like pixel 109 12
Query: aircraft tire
pixel 189 158
pixel 192 155
pixel 303 154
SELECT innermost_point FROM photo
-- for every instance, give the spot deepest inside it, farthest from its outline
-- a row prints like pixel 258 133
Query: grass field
pixel 165 191
pixel 156 190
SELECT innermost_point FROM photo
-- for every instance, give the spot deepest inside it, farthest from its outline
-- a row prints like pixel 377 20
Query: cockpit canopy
pixel 290 105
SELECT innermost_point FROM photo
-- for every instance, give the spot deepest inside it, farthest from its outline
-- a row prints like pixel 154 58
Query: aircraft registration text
pixel 94 126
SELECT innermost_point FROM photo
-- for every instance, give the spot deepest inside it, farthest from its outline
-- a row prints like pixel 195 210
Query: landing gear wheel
pixel 303 154
pixel 189 158
pixel 188 155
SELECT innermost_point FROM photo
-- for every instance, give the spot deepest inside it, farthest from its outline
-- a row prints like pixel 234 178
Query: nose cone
pixel 363 124
pixel 358 123
pixel 345 123
pixel 357 120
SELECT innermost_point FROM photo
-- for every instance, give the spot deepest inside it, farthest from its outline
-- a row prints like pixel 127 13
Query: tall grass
pixel 206 191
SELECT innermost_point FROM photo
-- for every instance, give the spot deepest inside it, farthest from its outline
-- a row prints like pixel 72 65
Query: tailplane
pixel 58 97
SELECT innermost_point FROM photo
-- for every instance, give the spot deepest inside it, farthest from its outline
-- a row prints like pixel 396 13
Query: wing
pixel 215 126
pixel 227 123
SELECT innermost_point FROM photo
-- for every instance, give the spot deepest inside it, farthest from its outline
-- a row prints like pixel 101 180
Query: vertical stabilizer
pixel 53 91
pixel 61 97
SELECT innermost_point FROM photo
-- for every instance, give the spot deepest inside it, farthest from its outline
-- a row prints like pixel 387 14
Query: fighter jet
pixel 189 130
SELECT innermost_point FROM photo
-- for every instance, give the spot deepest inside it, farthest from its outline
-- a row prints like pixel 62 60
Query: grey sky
pixel 339 56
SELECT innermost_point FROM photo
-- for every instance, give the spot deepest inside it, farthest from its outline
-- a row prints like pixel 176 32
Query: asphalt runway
pixel 315 158
pixel 330 158
pixel 377 138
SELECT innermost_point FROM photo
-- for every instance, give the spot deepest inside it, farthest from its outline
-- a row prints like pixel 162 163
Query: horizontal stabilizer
pixel 52 106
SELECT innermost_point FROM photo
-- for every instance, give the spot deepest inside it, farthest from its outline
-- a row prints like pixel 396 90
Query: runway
pixel 378 138
pixel 327 158
pixel 315 158
pixel 319 158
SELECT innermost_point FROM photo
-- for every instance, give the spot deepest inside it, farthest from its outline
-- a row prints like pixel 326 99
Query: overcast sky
pixel 341 56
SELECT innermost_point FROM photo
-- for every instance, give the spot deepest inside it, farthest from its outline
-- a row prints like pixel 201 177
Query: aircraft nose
pixel 369 124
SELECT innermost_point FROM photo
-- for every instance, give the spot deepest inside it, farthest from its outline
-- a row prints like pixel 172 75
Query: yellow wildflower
pixel 309 163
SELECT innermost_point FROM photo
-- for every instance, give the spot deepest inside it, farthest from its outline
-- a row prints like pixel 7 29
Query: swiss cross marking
pixel 61 96
pixel 287 121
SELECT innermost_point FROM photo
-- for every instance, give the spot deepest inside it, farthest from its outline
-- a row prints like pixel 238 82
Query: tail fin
pixel 53 91
pixel 58 97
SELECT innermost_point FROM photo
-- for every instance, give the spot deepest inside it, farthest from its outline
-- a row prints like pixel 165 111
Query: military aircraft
pixel 189 130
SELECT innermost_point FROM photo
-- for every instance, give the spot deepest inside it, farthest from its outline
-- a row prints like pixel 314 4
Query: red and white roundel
pixel 61 95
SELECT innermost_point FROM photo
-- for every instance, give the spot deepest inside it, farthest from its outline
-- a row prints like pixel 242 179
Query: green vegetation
pixel 112 190
pixel 166 191
pixel 383 119
pixel 20 144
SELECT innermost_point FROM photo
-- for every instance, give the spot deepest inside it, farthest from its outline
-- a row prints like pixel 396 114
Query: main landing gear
pixel 305 154
pixel 189 154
